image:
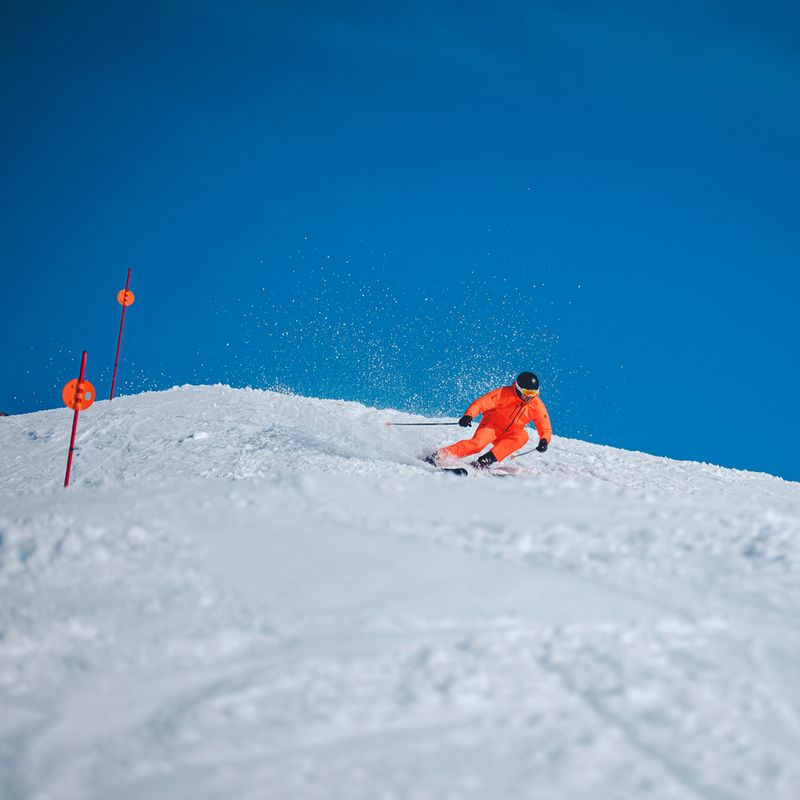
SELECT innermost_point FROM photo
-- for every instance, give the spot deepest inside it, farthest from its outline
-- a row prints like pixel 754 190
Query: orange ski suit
pixel 504 419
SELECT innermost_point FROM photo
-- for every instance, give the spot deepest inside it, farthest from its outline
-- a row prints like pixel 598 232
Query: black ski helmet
pixel 526 385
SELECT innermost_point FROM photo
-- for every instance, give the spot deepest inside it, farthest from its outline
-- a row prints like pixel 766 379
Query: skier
pixel 506 411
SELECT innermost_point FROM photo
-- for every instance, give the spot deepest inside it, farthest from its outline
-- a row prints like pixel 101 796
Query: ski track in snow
pixel 249 594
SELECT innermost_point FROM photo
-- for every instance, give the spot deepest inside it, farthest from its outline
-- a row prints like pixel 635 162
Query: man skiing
pixel 506 411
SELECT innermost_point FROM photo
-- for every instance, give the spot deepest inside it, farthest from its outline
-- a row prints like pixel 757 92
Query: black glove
pixel 465 421
pixel 542 446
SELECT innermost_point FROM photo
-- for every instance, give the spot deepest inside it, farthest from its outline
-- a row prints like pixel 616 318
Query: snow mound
pixel 250 594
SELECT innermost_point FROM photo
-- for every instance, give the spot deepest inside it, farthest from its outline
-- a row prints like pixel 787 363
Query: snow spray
pixel 79 395
pixel 125 299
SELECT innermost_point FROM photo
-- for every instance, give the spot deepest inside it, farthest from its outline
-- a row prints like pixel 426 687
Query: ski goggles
pixel 529 393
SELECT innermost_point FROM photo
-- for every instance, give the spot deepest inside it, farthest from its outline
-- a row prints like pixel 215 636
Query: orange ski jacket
pixel 504 411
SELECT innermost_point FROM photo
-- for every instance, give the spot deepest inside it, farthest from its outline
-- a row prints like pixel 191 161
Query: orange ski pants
pixel 505 443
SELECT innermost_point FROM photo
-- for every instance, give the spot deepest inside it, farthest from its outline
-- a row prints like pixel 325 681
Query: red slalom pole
pixel 124 298
pixel 76 404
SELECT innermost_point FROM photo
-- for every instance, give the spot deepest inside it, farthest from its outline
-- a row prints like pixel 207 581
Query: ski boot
pixel 484 462
pixel 432 459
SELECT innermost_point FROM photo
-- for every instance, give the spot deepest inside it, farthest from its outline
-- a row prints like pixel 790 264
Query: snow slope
pixel 253 595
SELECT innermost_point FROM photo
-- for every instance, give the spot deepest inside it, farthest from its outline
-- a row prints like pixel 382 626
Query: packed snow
pixel 247 594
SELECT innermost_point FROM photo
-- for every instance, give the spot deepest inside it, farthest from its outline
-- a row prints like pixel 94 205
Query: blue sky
pixel 407 203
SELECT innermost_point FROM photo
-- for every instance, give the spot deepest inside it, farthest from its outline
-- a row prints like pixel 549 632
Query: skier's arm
pixel 483 404
pixel 542 421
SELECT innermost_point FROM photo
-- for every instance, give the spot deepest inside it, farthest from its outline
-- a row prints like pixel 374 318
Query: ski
pixel 461 472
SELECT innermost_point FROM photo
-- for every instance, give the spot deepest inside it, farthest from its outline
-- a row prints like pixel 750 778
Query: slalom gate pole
pixel 124 298
pixel 79 395
pixel 416 424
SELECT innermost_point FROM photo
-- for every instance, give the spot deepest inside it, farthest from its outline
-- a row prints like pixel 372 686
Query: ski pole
pixel 417 424
pixel 524 453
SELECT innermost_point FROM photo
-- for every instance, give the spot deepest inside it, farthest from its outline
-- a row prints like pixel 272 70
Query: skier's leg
pixel 507 443
pixel 467 447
